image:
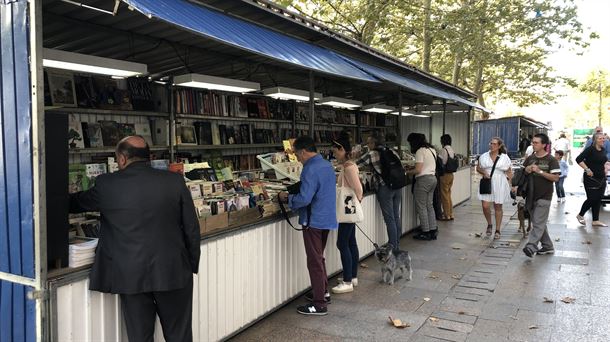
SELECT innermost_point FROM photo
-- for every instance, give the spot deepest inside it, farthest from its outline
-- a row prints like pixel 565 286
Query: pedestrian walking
pixel 316 205
pixel 425 183
pixel 543 171
pixel 561 194
pixel 593 159
pixel 446 153
pixel 390 200
pixel 149 245
pixel 346 238
pixel 495 165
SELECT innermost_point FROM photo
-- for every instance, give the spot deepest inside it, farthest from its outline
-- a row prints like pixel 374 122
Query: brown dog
pixel 523 214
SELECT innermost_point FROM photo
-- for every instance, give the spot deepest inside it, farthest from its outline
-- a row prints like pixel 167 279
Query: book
pixel 77 178
pixel 143 129
pixel 177 168
pixel 203 131
pixel 75 133
pixel 95 134
pixel 227 173
pixel 93 171
pixel 111 135
pixel 113 166
pixel 195 189
pixel 127 129
pixel 141 93
pixel 160 164
pixel 215 134
pixel 160 132
pixel 81 251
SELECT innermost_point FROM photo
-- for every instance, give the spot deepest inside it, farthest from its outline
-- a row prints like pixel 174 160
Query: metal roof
pixel 246 35
pixel 273 15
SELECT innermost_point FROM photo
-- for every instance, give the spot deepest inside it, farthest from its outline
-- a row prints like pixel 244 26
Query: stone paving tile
pixel 447 335
pixel 456 317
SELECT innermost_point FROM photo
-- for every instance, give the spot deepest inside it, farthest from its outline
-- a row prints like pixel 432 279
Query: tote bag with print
pixel 349 208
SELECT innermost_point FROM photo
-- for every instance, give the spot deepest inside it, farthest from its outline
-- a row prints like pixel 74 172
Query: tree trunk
pixel 425 65
pixel 478 87
pixel 457 67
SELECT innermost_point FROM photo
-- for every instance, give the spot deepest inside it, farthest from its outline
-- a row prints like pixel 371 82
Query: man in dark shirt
pixel 543 171
pixel 149 243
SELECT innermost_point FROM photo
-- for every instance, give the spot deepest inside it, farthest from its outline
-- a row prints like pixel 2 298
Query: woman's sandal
pixel 581 220
pixel 598 224
pixel 497 235
pixel 488 231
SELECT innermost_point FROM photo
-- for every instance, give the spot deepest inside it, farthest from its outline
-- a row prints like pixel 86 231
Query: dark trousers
pixel 436 200
pixel 315 242
pixel 595 189
pixel 346 243
pixel 559 188
pixel 175 310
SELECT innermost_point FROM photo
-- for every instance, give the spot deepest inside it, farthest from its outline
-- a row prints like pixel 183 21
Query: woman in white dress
pixel 500 183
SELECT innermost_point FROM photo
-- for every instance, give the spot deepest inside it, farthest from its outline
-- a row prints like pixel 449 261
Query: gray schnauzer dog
pixel 391 261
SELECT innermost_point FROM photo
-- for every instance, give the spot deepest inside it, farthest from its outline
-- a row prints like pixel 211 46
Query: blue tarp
pixel 245 35
pixel 412 84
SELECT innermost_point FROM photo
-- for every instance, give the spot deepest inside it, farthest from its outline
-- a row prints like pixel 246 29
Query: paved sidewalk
pixel 467 288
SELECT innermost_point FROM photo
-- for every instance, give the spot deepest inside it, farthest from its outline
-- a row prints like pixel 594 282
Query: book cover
pixel 77 178
pixel 86 96
pixel 95 134
pixel 160 164
pixel 245 133
pixel 203 130
pixel 227 173
pixel 143 129
pixel 111 135
pixel 252 106
pixel 160 132
pixel 75 133
pixel 93 171
pixel 127 129
pixel 215 134
pixel 141 93
pixel 85 129
pixel 222 129
pixel 113 166
pixel 177 168
pixel 195 190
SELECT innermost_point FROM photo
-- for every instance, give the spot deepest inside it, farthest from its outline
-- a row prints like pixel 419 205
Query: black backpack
pixel 440 169
pixel 520 180
pixel 392 172
pixel 452 163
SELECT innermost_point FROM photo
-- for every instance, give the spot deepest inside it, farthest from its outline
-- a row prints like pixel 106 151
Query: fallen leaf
pixel 363 265
pixel 513 317
pixel 398 323
pixel 533 327
pixel 456 276
pixel 588 242
pixel 478 235
pixel 557 240
pixel 426 299
pixel 548 300
pixel 462 258
pixel 461 313
pixel 567 212
pixel 568 300
pixel 455 247
pixel 433 276
pixel 433 319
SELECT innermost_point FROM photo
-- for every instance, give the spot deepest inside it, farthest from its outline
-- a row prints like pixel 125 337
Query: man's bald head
pixel 133 148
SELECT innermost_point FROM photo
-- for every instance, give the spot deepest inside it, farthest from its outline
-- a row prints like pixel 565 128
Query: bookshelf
pixel 100 150
pixel 229 118
pixel 224 147
pixel 95 111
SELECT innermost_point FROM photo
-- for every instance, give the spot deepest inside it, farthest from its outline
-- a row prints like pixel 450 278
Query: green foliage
pixel 495 48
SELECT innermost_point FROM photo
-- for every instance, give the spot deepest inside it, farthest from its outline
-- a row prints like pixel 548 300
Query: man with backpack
pixel 390 178
pixel 450 166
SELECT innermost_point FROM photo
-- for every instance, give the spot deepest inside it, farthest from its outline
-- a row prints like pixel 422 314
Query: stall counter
pixel 244 274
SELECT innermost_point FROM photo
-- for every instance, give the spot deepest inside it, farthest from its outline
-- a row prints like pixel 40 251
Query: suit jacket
pixel 149 233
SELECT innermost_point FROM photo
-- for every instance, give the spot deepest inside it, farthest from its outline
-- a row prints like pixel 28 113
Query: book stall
pixel 221 108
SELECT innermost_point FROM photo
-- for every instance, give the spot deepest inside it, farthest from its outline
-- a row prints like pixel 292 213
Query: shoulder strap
pixel 285 213
pixel 493 168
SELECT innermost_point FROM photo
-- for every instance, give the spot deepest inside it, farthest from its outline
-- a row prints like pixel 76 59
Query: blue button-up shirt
pixel 318 187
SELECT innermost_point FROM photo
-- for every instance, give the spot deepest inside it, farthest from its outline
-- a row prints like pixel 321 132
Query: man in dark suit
pixel 149 243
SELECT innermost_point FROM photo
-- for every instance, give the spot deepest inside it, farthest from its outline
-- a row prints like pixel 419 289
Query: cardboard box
pixel 213 223
pixel 244 217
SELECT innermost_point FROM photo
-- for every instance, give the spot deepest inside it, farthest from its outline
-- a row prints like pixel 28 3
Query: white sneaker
pixel 343 288
pixel 354 281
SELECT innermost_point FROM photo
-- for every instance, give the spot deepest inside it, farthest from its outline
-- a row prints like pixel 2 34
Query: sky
pixel 594 15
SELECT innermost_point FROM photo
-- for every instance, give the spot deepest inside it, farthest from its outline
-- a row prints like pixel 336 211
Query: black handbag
pixel 485 184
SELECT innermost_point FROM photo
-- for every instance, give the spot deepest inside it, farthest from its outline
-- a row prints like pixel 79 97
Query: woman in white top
pixel 425 184
pixel 500 182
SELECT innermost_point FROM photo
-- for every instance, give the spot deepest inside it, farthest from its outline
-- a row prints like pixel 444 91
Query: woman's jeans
pixel 559 188
pixel 390 201
pixel 346 243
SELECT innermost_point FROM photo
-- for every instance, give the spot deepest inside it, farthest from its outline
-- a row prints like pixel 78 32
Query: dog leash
pixel 360 229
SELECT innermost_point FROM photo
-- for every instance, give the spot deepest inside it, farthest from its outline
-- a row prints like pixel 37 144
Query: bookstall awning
pixel 413 84
pixel 245 35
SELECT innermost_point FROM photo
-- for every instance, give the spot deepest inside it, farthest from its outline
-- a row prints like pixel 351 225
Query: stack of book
pixel 81 251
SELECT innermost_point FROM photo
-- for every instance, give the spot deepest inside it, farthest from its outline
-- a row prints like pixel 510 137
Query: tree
pixel 495 48
pixel 597 83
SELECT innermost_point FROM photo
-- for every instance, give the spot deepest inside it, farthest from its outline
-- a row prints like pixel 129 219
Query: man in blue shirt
pixel 316 206
pixel 599 129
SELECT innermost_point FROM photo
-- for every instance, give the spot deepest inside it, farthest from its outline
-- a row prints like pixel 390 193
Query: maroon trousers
pixel 315 242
